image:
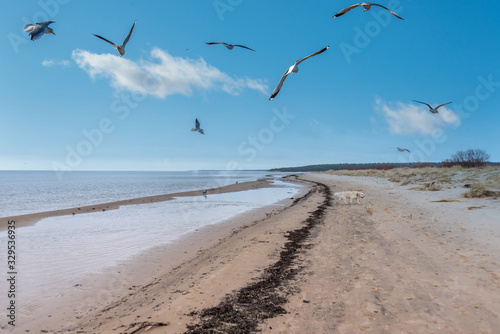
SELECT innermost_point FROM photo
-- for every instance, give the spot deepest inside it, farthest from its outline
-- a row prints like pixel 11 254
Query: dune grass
pixel 483 181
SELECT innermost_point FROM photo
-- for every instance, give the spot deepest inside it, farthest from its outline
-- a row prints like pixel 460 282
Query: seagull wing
pixel 104 39
pixel 29 27
pixel 390 11
pixel 280 84
pixel 46 23
pixel 197 124
pixel 312 55
pixel 128 36
pixel 37 32
pixel 345 10
pixel 439 106
pixel 423 103
pixel 213 43
pixel 242 46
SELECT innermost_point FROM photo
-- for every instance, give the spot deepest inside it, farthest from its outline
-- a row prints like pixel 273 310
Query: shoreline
pixel 99 290
pixel 32 218
pixel 402 261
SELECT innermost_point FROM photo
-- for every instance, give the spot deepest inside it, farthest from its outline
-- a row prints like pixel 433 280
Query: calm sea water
pixel 23 192
pixel 58 253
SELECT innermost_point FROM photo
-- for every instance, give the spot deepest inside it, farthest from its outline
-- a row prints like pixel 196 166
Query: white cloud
pixel 410 118
pixel 51 62
pixel 162 75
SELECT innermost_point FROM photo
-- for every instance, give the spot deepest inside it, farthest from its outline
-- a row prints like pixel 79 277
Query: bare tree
pixel 470 158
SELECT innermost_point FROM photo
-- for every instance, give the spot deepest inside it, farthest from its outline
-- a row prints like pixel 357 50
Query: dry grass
pixel 478 190
pixel 431 178
pixel 430 186
pixel 447 201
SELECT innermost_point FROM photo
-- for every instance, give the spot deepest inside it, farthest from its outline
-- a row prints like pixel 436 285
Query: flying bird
pixel 197 127
pixel 230 46
pixel 403 149
pixel 367 6
pixel 120 48
pixel 293 69
pixel 432 110
pixel 38 29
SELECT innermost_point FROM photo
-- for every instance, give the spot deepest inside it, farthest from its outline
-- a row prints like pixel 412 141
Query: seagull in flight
pixel 197 127
pixel 120 48
pixel 293 69
pixel 38 29
pixel 433 110
pixel 403 149
pixel 367 6
pixel 230 46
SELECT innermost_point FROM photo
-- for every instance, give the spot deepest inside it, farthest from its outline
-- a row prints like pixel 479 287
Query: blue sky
pixel 69 102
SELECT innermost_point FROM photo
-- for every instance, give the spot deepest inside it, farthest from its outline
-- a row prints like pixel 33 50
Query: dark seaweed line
pixel 242 311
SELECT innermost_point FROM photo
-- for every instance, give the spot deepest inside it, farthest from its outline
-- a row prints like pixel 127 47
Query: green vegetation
pixel 354 166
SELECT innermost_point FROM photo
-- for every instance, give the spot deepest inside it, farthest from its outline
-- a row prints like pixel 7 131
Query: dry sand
pixel 402 262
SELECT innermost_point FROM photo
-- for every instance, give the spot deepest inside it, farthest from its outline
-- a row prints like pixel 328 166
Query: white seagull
pixel 38 29
pixel 367 6
pixel 433 110
pixel 197 127
pixel 229 46
pixel 403 149
pixel 120 48
pixel 293 69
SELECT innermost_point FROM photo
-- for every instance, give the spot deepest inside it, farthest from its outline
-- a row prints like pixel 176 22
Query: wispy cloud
pixel 51 62
pixel 162 74
pixel 410 119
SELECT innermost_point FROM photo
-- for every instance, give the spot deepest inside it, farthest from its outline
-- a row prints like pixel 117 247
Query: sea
pixel 59 252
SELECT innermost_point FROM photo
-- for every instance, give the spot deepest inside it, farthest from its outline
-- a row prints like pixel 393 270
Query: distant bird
pixel 433 110
pixel 197 127
pixel 293 69
pixel 205 192
pixel 38 29
pixel 229 46
pixel 403 149
pixel 367 6
pixel 120 48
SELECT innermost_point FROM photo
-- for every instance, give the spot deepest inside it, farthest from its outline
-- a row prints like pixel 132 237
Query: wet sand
pixel 29 219
pixel 401 262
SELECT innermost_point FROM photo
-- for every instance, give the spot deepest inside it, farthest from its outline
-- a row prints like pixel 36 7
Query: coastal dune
pixel 402 261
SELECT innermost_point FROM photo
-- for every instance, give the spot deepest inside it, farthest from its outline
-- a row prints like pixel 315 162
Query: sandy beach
pixel 404 261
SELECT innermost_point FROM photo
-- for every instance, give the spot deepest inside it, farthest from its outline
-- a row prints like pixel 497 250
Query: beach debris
pixel 37 30
pixel 366 6
pixel 229 46
pixel 197 127
pixel 120 48
pixel 431 109
pixel 403 149
pixel 146 325
pixel 293 69
pixel 242 311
